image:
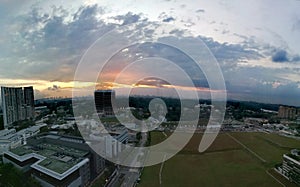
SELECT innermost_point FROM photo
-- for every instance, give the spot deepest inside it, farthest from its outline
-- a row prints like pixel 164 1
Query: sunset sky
pixel 256 43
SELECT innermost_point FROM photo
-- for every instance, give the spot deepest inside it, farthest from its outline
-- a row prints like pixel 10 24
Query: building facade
pixel 29 101
pixel 17 104
pixel 104 100
pixel 288 112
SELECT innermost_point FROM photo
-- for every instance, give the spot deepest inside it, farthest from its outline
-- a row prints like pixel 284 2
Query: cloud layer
pixel 47 43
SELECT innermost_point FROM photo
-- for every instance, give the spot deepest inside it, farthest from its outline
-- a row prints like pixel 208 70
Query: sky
pixel 256 43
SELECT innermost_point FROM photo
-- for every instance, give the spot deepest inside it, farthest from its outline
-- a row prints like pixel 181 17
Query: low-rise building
pixel 255 121
pixel 56 160
pixel 10 138
pixel 112 143
pixel 41 110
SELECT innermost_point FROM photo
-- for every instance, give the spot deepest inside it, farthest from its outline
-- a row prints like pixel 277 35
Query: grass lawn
pixel 270 147
pixel 225 163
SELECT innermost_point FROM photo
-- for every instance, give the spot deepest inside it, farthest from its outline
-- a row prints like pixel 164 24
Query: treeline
pixel 11 176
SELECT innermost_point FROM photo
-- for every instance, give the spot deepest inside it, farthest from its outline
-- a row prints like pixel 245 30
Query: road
pixel 128 176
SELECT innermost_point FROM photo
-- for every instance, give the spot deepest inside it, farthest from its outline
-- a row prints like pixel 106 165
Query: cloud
pixel 296 58
pixel 129 18
pixel 54 88
pixel 296 25
pixel 281 56
pixel 226 52
pixel 182 6
pixel 48 44
pixel 166 17
pixel 200 11
pixel 262 85
pixel 169 19
pixel 152 81
pixel 38 94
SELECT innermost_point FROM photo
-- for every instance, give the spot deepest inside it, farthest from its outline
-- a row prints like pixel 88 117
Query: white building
pixel 111 144
pixel 10 139
pixel 291 166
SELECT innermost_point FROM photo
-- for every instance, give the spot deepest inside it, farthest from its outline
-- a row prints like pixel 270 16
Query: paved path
pixel 160 171
pixel 131 175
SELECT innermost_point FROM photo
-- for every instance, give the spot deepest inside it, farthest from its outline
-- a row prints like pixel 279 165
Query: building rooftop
pixel 23 150
pixel 29 129
pixel 295 154
pixel 297 158
pixel 6 132
pixel 12 134
pixel 57 158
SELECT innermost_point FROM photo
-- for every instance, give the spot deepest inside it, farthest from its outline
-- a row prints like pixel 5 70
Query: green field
pixel 225 163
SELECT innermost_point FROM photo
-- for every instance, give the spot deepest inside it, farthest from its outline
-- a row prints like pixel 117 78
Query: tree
pixel 139 136
pixel 11 176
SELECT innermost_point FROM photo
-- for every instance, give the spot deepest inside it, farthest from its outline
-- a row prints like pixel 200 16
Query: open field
pixel 234 159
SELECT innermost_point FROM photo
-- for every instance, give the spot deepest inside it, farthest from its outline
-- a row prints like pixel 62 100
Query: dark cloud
pixel 129 18
pixel 177 32
pixel 282 56
pixel 262 84
pixel 277 55
pixel 225 52
pixel 166 17
pixel 169 19
pixel 154 50
pixel 52 43
pixel 54 88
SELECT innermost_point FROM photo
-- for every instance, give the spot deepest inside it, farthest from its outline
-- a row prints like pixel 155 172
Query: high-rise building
pixel 104 100
pixel 17 104
pixel 287 112
pixel 29 101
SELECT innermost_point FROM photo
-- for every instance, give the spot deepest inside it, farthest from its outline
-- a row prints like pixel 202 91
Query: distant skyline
pixel 256 43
